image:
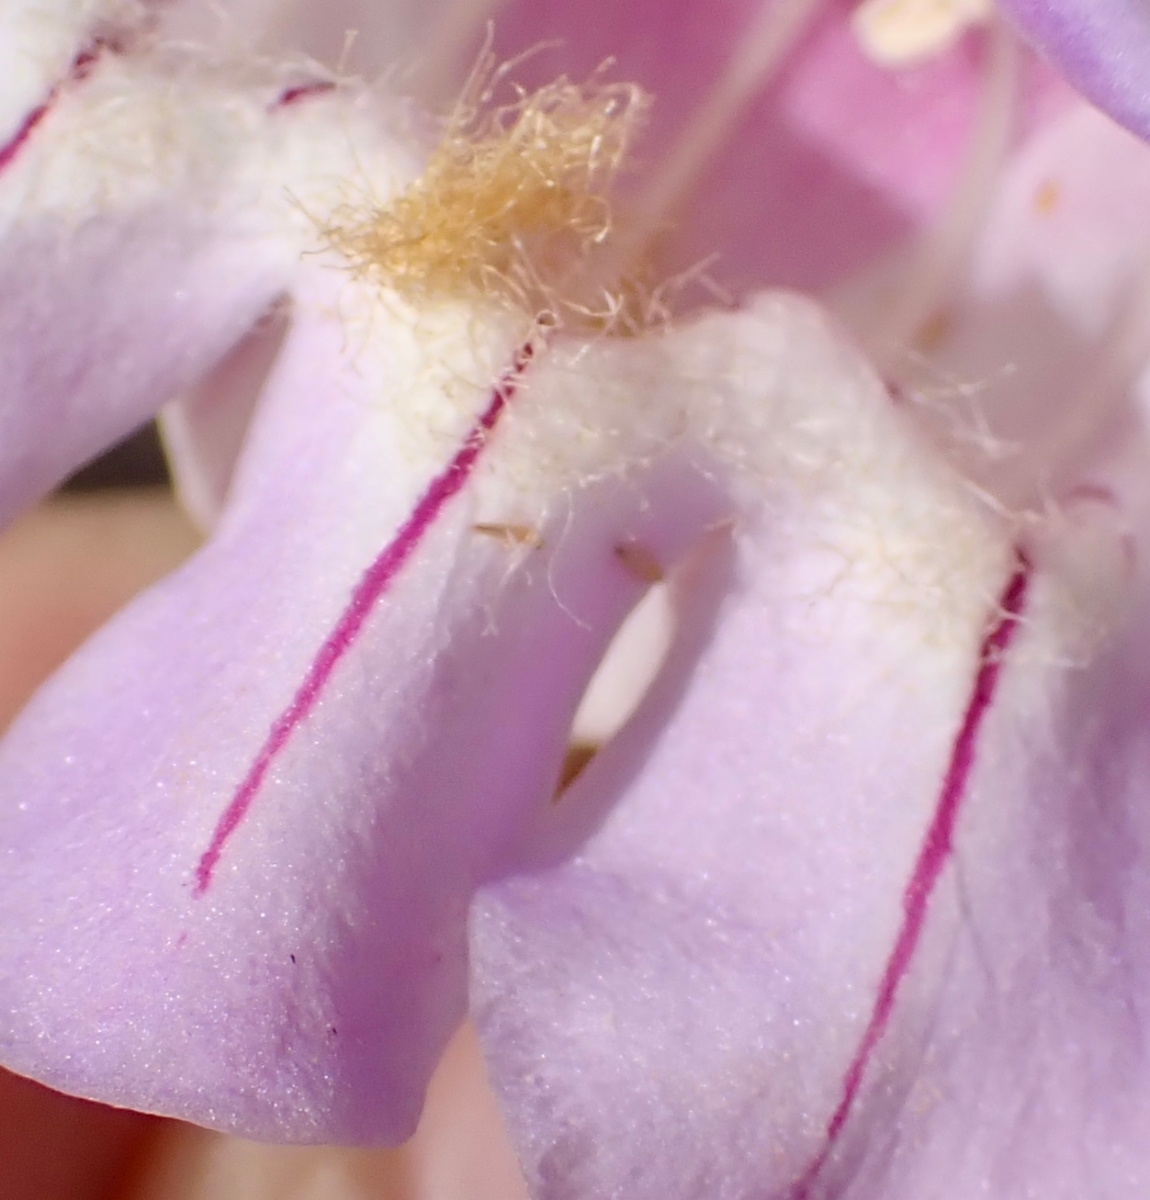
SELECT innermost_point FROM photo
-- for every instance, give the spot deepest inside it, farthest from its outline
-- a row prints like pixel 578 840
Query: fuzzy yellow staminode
pixel 513 206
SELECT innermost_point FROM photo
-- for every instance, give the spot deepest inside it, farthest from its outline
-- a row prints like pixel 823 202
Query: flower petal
pixel 1102 47
pixel 911 1041
pixel 147 221
pixel 675 1011
pixel 703 1020
pixel 353 37
pixel 42 43
pixel 264 931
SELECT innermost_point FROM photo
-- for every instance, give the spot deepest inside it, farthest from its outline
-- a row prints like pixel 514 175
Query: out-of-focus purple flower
pixel 1102 46
pixel 851 904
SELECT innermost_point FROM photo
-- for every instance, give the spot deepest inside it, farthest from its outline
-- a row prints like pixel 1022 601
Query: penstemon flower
pixel 850 902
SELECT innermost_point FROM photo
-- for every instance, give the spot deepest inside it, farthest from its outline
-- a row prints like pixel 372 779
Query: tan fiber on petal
pixel 514 205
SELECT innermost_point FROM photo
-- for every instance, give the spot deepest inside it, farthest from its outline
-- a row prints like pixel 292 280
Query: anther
pixel 895 33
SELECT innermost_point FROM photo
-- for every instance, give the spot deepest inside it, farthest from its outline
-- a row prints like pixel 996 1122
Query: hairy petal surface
pixel 992 1044
pixel 287 909
pixel 42 41
pixel 252 913
pixel 673 1012
pixel 147 220
pixel 400 39
pixel 732 990
pixel 1012 1060
pixel 246 822
pixel 787 124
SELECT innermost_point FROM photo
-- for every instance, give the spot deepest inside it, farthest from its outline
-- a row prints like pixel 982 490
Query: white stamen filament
pixel 450 42
pixel 758 55
pixel 945 252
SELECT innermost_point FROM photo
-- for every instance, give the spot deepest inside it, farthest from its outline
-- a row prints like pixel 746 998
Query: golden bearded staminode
pixel 514 207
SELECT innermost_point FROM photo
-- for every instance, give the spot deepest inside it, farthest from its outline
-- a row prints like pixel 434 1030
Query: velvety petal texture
pixel 148 217
pixel 673 1012
pixel 277 810
pixel 42 41
pixel 850 905
pixel 919 925
pixel 773 1021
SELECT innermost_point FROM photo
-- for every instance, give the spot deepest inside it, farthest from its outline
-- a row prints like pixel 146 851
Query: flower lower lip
pixel 786 821
pixel 370 590
pixel 934 855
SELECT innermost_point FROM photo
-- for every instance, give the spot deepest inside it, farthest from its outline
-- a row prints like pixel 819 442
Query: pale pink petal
pixel 246 822
pixel 796 979
pixel 285 29
pixel 253 809
pixel 866 921
pixel 674 1012
pixel 44 43
pixel 148 218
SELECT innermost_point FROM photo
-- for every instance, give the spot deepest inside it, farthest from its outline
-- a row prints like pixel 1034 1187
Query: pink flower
pixel 851 903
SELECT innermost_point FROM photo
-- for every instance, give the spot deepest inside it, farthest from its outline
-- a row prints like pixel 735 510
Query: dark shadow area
pixel 698 588
pixel 137 461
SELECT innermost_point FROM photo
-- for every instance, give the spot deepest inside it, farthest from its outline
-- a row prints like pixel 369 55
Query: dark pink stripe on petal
pixel 375 581
pixel 302 91
pixel 933 855
pixel 16 143
pixel 81 68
